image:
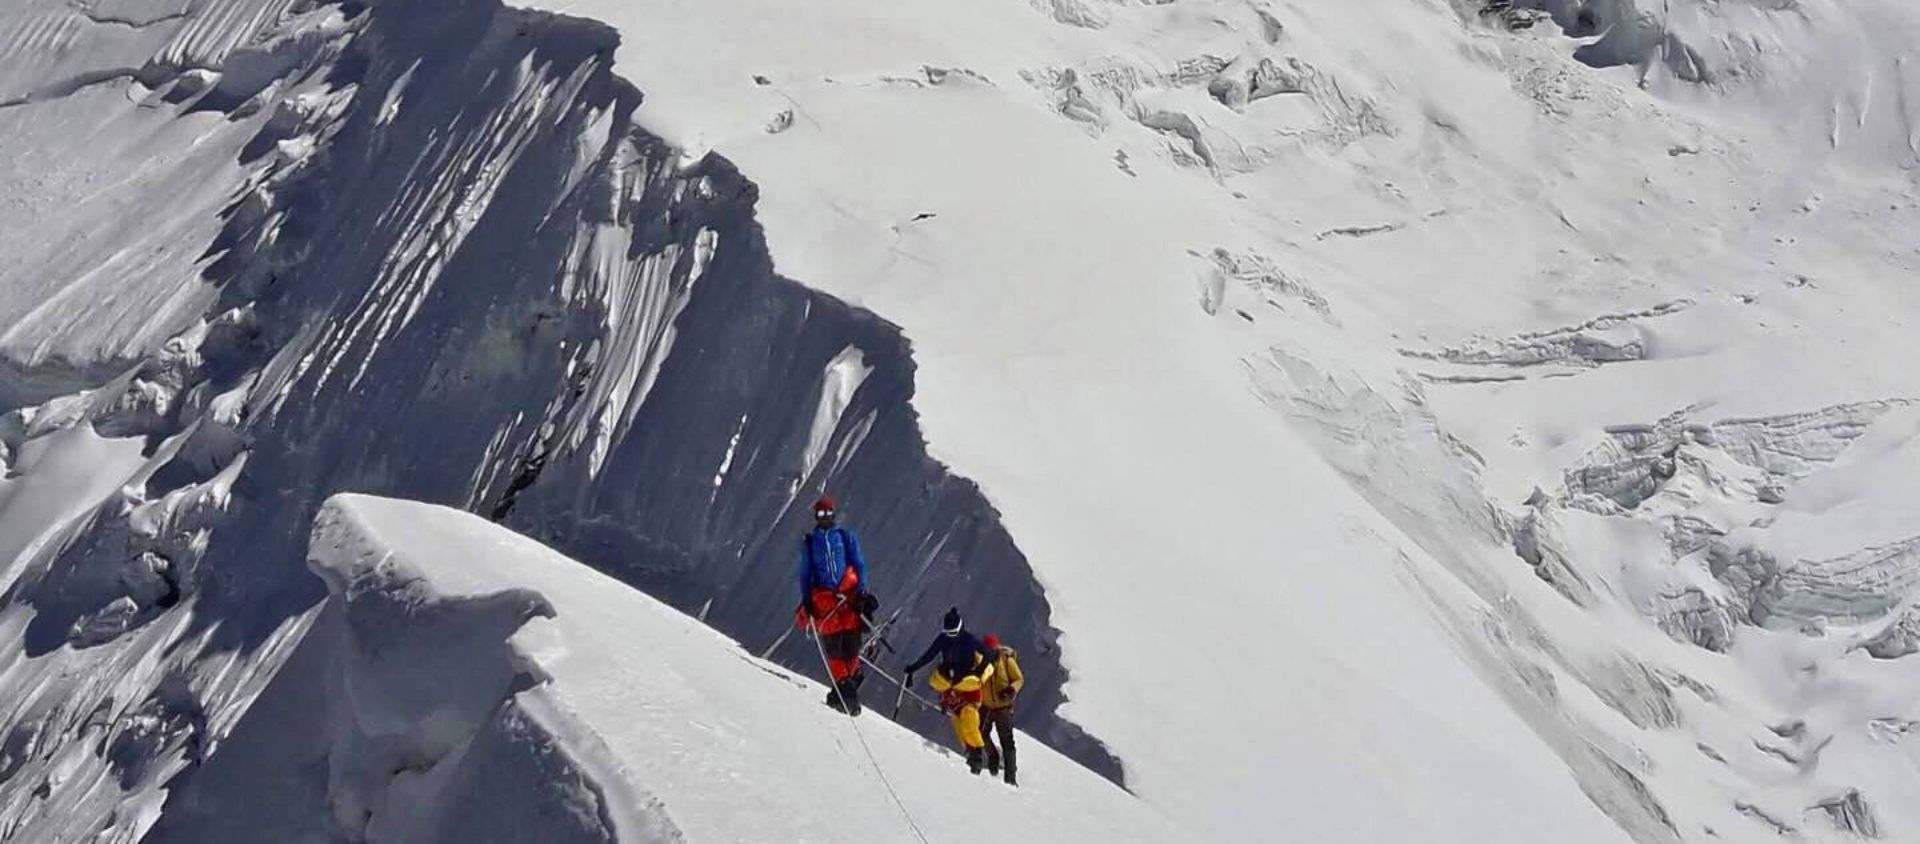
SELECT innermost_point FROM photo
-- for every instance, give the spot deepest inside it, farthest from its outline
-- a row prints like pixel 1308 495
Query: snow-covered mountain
pixel 1381 420
pixel 463 683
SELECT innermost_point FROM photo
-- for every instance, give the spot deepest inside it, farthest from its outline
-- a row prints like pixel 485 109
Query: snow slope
pixel 445 222
pixel 1391 419
pixel 1096 220
pixel 477 685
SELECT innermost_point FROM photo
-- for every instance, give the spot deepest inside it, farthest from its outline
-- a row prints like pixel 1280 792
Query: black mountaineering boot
pixel 974 760
pixel 1010 777
pixel 845 696
pixel 993 762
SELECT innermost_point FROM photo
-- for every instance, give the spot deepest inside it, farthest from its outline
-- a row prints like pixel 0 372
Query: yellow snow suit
pixel 1005 680
pixel 961 699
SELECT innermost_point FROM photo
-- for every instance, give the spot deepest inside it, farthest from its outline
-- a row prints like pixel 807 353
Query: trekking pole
pixel 904 691
pixel 768 653
pixel 877 629
pixel 877 635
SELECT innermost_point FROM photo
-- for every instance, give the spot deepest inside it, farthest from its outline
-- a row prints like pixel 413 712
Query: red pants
pixel 841 632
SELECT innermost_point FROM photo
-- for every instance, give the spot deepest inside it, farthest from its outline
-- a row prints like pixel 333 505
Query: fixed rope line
pixel 902 684
pixel 884 782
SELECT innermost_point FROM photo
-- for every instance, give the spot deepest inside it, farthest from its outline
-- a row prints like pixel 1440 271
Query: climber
pixel 834 601
pixel 1003 685
pixel 965 667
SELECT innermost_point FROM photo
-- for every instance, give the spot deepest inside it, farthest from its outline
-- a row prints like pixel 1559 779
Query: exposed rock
pixel 510 251
pixel 105 624
pixel 1504 13
pixel 1850 812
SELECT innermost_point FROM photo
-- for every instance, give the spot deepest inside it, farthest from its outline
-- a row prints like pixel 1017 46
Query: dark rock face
pixel 460 272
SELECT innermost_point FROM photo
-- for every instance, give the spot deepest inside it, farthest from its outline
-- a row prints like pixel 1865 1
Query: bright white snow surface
pixel 1427 426
pixel 679 734
pixel 1260 321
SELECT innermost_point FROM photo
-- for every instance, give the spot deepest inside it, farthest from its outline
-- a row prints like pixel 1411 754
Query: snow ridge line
pixel 281 284
pixel 377 574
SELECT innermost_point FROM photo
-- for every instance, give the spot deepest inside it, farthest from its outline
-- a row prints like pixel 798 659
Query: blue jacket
pixel 825 556
pixel 959 655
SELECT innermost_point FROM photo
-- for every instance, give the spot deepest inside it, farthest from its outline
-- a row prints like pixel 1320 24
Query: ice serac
pixel 464 683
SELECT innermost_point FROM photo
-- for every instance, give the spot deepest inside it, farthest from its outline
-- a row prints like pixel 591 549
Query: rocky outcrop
pixel 449 266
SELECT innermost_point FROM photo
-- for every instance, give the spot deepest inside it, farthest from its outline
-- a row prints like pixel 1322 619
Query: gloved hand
pixel 865 603
pixel 1006 694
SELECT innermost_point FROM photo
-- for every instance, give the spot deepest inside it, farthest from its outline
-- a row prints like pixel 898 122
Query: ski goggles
pixel 823 514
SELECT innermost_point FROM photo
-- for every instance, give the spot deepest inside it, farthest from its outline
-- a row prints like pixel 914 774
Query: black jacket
pixel 959 654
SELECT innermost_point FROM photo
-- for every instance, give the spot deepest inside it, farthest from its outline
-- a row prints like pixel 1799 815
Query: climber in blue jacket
pixel 834 601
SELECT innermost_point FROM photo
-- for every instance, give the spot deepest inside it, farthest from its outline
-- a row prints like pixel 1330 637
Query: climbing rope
pixel 821 649
pixel 905 692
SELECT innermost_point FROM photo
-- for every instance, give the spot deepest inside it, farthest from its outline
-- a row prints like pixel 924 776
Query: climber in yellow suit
pixel 961 677
pixel 1002 686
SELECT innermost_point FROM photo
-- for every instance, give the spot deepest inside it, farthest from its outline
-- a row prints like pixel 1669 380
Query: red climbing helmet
pixel 824 508
pixel 992 642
